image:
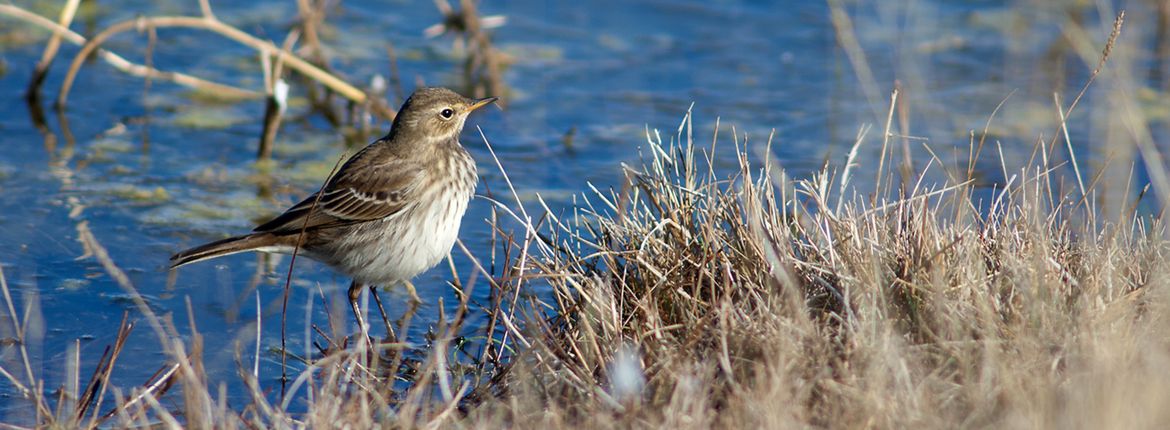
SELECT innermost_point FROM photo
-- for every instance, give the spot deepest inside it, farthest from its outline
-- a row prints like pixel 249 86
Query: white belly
pixel 402 246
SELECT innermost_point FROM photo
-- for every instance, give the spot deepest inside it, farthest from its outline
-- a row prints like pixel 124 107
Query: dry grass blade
pixel 95 390
pixel 29 388
pixel 1063 113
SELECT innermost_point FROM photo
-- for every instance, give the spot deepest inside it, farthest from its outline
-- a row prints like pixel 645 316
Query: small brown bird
pixel 390 212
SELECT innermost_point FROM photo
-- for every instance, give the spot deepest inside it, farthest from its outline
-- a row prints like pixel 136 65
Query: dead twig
pixel 211 24
pixel 50 53
pixel 124 65
pixel 277 100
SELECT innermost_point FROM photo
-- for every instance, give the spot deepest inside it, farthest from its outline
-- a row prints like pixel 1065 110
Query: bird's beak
pixel 481 103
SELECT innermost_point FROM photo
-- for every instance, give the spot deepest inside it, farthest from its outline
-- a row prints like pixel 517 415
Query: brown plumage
pixel 390 212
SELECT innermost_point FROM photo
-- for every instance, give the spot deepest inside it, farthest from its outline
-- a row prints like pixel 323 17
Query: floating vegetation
pixel 207 117
pixel 140 195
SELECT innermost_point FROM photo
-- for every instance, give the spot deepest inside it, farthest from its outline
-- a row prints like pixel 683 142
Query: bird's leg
pixel 355 291
pixel 385 320
pixel 410 289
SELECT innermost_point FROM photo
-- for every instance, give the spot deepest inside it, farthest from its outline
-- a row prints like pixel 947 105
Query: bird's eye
pixel 446 113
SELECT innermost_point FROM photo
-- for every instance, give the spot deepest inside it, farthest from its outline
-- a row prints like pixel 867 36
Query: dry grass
pixel 694 299
pixel 755 309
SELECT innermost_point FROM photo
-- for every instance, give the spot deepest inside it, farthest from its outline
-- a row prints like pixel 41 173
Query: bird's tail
pixel 251 242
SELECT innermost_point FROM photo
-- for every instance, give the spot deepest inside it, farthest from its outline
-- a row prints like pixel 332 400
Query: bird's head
pixel 434 114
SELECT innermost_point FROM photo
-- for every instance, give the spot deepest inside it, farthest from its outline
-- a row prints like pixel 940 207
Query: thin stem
pixel 210 24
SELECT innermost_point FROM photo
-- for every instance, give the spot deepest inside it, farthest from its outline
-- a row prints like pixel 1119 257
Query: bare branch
pixel 265 47
pixel 124 65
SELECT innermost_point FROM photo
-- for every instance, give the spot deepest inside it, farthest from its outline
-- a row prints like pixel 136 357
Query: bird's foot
pixel 355 290
pixel 382 311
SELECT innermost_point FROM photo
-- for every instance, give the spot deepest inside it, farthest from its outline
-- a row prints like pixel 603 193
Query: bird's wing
pixel 359 192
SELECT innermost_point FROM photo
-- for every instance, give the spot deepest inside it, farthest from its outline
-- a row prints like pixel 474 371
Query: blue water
pixel 150 174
